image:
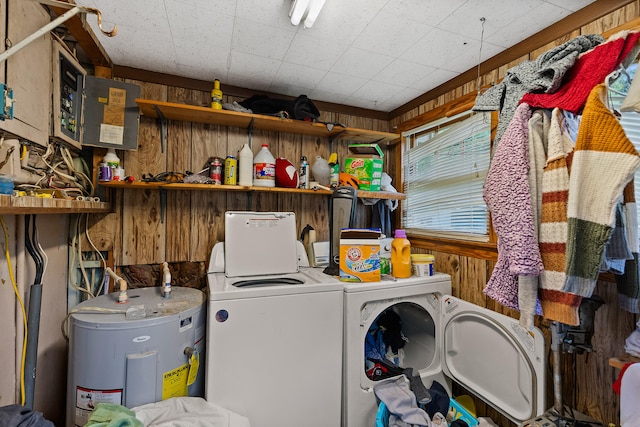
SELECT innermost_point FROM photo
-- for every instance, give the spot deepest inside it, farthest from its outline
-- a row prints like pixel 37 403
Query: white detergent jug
pixel 264 168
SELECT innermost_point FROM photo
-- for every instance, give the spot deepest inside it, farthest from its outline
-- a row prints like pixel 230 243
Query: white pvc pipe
pixel 44 30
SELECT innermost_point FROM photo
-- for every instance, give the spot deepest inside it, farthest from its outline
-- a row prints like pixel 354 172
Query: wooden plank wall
pixel 194 220
pixel 587 378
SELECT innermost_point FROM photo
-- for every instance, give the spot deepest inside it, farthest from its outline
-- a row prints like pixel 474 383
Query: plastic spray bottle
pixel 334 166
pixel 304 173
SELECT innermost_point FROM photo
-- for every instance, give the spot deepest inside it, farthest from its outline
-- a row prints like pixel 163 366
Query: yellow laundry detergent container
pixel 360 255
pixel 422 264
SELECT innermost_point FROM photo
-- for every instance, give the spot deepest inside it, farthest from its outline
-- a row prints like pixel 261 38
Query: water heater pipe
pixel 123 298
pixel 166 280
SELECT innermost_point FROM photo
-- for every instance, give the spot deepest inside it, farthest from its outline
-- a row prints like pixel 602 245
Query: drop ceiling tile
pixel 376 92
pixel 340 83
pixel 572 5
pixel 298 75
pixel 274 13
pixel 466 20
pixel 436 48
pixel 389 34
pixel 145 15
pixel 361 63
pixel 143 49
pixel 432 80
pixel 431 12
pixel 307 50
pixel 197 25
pixel 207 57
pixel 224 7
pixel 402 97
pixel 368 48
pixel 524 26
pixel 253 66
pixel 259 39
pixel 468 58
pixel 200 72
pixel 342 21
pixel 402 72
pixel 288 89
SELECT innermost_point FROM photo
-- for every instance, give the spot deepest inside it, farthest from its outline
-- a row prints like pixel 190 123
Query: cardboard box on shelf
pixel 366 164
pixel 360 255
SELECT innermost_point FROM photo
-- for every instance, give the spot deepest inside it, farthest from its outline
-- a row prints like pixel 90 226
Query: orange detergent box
pixel 360 255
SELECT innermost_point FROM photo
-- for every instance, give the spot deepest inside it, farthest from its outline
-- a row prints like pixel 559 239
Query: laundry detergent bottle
pixel 400 255
pixel 264 168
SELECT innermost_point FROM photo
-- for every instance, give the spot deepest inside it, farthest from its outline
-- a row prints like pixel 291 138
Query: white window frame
pixel 473 149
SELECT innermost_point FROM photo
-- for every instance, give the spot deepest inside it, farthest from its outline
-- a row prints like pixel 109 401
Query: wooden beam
pixel 85 37
pixel 565 26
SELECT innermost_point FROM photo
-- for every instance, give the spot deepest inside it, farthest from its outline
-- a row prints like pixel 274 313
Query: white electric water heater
pixel 146 350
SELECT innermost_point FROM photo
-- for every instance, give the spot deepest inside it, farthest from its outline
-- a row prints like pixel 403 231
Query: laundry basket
pixel 457 411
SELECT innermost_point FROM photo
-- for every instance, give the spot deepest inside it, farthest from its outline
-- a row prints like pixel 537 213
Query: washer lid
pixel 260 243
pixel 492 356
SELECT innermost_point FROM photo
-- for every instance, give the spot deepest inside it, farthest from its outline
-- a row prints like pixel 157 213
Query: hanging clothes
pixel 507 195
pixel 588 71
pixel 604 162
pixel 556 304
pixel 543 75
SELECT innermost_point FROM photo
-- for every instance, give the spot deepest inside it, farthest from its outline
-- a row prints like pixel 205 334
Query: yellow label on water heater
pixel 174 382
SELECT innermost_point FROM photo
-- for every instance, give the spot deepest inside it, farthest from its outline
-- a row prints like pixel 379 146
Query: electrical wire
pixel 75 252
pixel 37 258
pixel 104 261
pixel 24 313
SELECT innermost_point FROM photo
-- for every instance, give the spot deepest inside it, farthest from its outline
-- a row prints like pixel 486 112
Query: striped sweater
pixel 556 305
pixel 604 161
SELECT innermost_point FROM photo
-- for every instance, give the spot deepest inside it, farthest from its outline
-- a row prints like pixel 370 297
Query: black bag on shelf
pixel 301 108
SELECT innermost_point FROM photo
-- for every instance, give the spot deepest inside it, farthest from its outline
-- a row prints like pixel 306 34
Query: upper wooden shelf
pixel 27 205
pixel 217 187
pixel 192 113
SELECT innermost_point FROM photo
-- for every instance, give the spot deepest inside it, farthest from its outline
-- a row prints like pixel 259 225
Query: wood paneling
pixel 194 219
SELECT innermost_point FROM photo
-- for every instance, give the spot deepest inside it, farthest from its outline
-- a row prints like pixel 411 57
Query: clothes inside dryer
pixel 402 336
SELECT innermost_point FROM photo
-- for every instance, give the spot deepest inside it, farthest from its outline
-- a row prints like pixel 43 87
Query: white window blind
pixel 445 164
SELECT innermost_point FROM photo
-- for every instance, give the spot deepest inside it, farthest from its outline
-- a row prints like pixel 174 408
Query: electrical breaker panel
pixel 68 86
pixel 89 110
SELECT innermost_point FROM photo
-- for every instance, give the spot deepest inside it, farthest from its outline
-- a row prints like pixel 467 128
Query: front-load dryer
pixel 448 339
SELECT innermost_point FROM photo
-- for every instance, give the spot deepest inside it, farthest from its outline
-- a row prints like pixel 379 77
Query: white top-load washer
pixel 449 339
pixel 275 326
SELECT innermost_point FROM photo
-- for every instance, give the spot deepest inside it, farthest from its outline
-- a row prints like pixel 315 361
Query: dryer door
pixel 493 357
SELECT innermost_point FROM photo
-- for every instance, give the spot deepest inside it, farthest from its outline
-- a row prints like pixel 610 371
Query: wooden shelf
pixel 214 187
pixel 620 361
pixel 26 205
pixel 191 113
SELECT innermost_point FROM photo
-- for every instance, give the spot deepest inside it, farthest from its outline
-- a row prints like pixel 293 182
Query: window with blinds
pixel 630 121
pixel 445 164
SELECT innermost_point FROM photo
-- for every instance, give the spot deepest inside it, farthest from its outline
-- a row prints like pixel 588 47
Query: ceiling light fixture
pixel 307 10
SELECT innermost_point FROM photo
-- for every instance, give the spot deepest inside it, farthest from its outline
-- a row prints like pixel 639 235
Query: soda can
pixel 215 170
pixel 230 164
